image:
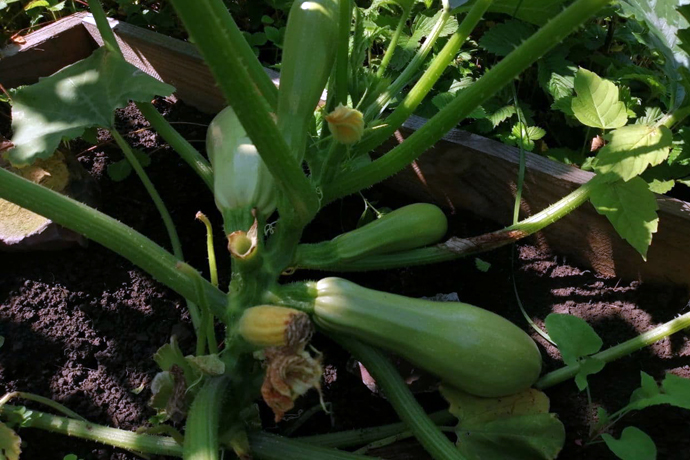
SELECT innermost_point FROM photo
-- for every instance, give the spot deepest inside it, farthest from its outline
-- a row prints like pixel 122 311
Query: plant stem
pixel 107 34
pixel 186 151
pixel 108 232
pixel 212 267
pixel 267 446
pixel 419 91
pixel 552 33
pixel 160 124
pixel 352 438
pixel 341 60
pixel 153 193
pixel 402 400
pixel 201 429
pixel 412 67
pixel 618 351
pixel 40 399
pixel 388 55
pixel 143 443
pixel 316 257
pixel 209 24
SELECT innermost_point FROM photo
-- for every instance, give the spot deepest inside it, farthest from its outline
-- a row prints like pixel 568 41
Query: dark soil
pixel 81 325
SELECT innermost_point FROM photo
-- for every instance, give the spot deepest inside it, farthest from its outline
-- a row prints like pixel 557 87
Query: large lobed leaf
pixel 77 97
pixel 516 427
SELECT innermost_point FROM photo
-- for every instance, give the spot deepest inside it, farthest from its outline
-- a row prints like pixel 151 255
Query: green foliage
pixel 78 97
pixel 10 443
pixel 120 170
pixel 631 208
pixel 504 38
pixel 634 444
pixel 597 104
pixel 518 427
pixel 533 11
pixel 576 340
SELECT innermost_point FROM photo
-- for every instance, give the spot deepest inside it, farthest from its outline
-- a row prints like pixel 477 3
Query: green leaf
pixel 533 11
pixel 36 4
pixel 77 97
pixel 565 155
pixel 663 22
pixel 120 170
pixel 596 103
pixel 631 209
pixel 557 75
pixel 588 366
pixel 10 443
pixel 516 427
pixel 573 336
pixel 674 391
pixel 502 39
pixel 482 265
pixel 634 444
pixel 632 149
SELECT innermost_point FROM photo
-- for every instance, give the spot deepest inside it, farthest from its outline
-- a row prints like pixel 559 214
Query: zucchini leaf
pixel 518 427
pixel 78 97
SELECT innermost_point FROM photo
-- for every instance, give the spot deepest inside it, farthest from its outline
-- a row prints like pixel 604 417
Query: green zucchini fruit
pixel 308 58
pixel 409 227
pixel 469 348
pixel 240 177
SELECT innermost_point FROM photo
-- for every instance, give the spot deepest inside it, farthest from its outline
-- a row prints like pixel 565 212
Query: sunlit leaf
pixel 631 208
pixel 77 97
pixel 632 149
pixel 10 444
pixel 597 104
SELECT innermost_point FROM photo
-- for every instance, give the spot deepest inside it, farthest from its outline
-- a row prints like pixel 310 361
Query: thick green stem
pixel 320 257
pixel 388 55
pixel 201 429
pixel 618 351
pixel 528 52
pixel 402 400
pixel 186 151
pixel 412 68
pixel 341 60
pixel 108 232
pixel 271 447
pixel 353 438
pixel 143 443
pixel 210 25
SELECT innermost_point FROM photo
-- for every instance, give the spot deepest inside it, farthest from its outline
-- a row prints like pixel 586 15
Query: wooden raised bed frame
pixel 463 171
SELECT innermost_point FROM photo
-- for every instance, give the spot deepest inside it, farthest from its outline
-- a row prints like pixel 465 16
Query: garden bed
pixel 81 325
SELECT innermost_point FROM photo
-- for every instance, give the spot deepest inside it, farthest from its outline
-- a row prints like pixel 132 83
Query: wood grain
pixel 463 171
pixel 45 52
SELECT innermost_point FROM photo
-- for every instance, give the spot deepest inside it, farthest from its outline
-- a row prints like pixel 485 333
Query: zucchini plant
pixel 275 161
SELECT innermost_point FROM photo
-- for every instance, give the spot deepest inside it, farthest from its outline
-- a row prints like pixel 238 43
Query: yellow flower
pixel 346 124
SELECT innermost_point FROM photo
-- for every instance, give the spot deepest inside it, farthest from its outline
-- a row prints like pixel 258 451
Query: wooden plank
pixel 45 52
pixel 464 171
pixel 471 172
pixel 172 61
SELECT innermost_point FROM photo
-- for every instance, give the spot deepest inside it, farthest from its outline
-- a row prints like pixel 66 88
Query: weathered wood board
pixel 463 171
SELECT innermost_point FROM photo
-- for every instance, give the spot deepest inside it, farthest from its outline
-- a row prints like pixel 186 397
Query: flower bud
pixel 273 326
pixel 346 124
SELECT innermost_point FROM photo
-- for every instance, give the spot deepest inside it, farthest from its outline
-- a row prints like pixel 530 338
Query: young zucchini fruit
pixel 308 57
pixel 240 178
pixel 469 348
pixel 409 227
